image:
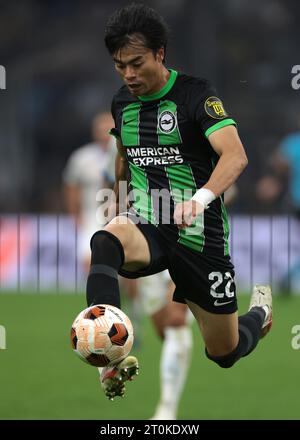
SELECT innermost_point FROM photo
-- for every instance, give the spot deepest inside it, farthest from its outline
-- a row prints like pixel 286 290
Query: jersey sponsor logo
pixel 167 122
pixel 214 108
pixel 145 156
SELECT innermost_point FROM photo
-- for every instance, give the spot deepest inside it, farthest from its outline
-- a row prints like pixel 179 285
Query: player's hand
pixel 185 213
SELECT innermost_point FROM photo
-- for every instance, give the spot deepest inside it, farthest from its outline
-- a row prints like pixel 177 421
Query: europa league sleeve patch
pixel 214 108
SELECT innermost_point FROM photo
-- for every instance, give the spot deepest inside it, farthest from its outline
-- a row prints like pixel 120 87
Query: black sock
pixel 107 258
pixel 250 326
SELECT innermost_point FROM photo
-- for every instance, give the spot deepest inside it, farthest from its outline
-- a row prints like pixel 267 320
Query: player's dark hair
pixel 136 20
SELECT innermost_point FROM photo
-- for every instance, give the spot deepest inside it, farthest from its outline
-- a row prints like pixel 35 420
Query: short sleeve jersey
pixel 165 137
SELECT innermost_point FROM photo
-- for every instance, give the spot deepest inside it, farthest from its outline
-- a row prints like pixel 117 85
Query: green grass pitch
pixel 41 378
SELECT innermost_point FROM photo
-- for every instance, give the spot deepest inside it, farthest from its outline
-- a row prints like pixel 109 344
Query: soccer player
pixel 183 151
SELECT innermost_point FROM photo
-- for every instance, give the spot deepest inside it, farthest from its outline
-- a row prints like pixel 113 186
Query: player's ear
pixel 160 55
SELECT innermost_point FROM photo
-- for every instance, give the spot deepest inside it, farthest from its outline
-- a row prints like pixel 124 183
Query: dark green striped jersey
pixel 165 136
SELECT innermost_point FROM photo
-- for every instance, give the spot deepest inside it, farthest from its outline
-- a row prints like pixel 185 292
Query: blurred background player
pixel 281 186
pixel 286 163
pixel 172 324
pixel 83 177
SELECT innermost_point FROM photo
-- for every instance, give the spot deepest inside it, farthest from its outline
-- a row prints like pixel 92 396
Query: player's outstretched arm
pixel 227 144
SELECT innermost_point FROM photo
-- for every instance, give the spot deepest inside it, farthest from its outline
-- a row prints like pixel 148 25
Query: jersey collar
pixel 162 92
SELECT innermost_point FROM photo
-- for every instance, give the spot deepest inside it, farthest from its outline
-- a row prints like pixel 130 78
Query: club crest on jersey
pixel 214 108
pixel 167 121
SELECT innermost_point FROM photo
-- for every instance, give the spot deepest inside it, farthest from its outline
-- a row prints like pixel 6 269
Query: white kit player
pixel 83 177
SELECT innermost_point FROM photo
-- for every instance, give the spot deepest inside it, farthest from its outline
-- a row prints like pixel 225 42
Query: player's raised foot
pixel 262 297
pixel 114 377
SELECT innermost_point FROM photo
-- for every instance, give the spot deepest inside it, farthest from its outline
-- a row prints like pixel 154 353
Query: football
pixel 102 335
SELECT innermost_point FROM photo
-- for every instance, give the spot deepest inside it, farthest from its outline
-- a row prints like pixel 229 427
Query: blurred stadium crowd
pixel 59 76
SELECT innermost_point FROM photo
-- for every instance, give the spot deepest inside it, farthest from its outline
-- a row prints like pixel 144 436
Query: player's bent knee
pixel 136 248
pixel 223 363
pixel 102 242
pixel 228 360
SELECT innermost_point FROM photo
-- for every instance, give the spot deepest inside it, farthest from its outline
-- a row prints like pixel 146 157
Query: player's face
pixel 140 68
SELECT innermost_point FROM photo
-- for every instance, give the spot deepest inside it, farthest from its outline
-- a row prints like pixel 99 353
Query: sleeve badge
pixel 214 108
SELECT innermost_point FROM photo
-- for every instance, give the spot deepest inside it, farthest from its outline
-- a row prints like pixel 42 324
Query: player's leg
pixel 120 248
pixel 112 249
pixel 175 358
pixel 206 284
pixel 219 331
pixel 228 337
pixel 170 320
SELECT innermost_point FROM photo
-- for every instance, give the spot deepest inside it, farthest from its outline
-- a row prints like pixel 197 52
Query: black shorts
pixel 203 279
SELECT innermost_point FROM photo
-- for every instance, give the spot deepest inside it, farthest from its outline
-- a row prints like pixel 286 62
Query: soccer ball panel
pixel 102 342
pixel 94 312
pixel 118 334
